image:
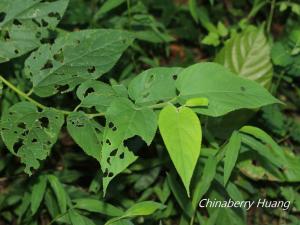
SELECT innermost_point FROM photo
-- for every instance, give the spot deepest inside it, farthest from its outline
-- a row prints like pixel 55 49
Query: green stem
pixel 26 96
pixel 21 93
pixel 161 105
pixel 271 15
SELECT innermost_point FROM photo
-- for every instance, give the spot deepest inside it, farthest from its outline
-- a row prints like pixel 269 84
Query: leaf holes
pixel 16 51
pixel 44 121
pixel 2 16
pixel 6 35
pixel 108 160
pixel 34 140
pixel 110 174
pixel 91 69
pixel 21 125
pixel 88 91
pixel 62 88
pixel 17 22
pixel 55 14
pixel 25 133
pixel 107 141
pixel 177 92
pixel 17 145
pixel 105 174
pixel 175 77
pixel 47 65
pixel 36 22
pixel 113 152
pixel 122 155
pixel 111 125
pixel 44 23
pixel 59 56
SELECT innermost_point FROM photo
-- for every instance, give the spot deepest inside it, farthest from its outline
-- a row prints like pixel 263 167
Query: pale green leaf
pixel 26 23
pixel 74 58
pixel 124 120
pixel 231 154
pixel 37 195
pixel 196 102
pixel 248 55
pixel 86 132
pixel 181 131
pixel 154 85
pixel 30 134
pixel 225 91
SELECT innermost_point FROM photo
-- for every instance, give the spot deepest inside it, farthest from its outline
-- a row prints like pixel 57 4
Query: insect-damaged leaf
pixel 124 120
pixel 26 23
pixel 74 58
pixel 30 134
pixel 86 133
pixel 181 131
pixel 225 91
pixel 154 85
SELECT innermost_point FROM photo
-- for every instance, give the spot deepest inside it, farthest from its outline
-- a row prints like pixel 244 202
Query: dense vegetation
pixel 130 112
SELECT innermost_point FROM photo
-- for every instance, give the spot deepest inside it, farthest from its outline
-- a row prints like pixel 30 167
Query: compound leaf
pixel 30 134
pixel 225 91
pixel 74 58
pixel 27 23
pixel 181 131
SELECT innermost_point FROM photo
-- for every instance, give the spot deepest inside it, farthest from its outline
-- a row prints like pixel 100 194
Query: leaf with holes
pixel 225 91
pixel 97 94
pixel 30 134
pixel 181 131
pixel 74 58
pixel 248 55
pixel 123 121
pixel 26 24
pixel 86 132
pixel 154 85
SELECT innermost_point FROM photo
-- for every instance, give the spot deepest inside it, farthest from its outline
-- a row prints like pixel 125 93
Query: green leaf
pixel 96 206
pixel 124 120
pixel 195 102
pixel 280 55
pixel 75 218
pixel 181 131
pixel 59 191
pixel 107 6
pixel 26 24
pixel 37 195
pixel 248 55
pixel 180 196
pixel 202 185
pixel 97 94
pixel 86 132
pixel 225 91
pixel 154 85
pixel 74 58
pixel 139 209
pixel 30 134
pixel 231 154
